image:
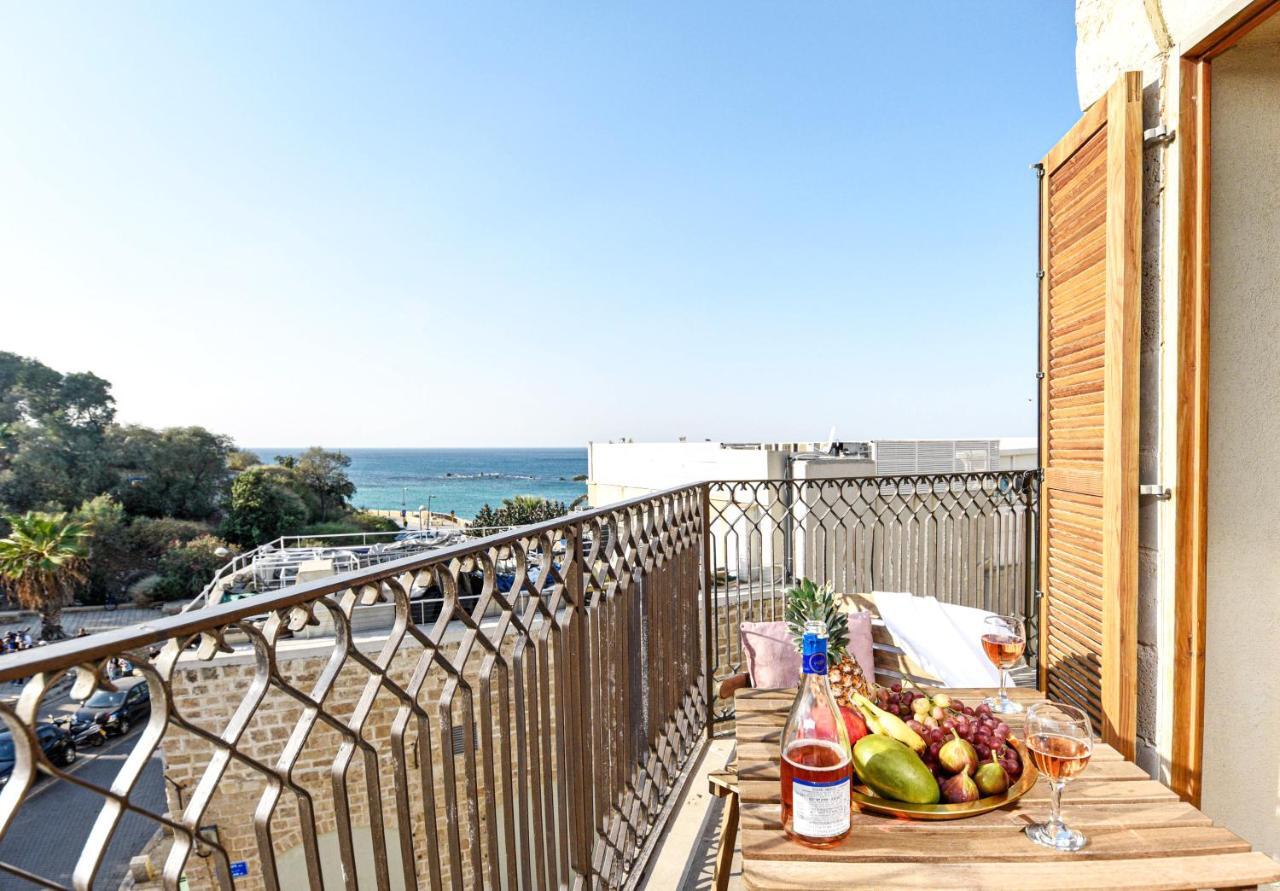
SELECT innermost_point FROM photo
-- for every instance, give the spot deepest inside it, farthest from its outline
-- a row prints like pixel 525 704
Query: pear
pixel 959 789
pixel 957 755
pixel 991 778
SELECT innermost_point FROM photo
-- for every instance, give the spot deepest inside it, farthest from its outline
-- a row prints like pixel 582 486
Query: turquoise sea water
pixel 458 480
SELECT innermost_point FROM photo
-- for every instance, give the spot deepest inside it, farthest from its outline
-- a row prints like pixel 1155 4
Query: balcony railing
pixel 964 538
pixel 534 735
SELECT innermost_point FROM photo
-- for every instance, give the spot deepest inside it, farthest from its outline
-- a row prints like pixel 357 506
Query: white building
pixel 619 470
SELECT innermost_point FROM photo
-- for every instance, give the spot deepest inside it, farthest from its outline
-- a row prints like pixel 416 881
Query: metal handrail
pixel 579 690
pixel 247 558
pixel 597 668
pixel 71 652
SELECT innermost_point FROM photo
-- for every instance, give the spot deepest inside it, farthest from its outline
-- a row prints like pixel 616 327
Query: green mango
pixel 891 770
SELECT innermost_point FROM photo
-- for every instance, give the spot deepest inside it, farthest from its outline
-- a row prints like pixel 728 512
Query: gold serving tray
pixel 868 802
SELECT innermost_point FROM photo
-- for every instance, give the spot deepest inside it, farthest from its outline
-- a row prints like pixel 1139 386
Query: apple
pixel 854 723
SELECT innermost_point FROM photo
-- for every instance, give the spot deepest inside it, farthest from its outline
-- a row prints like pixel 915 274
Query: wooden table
pixel 1140 834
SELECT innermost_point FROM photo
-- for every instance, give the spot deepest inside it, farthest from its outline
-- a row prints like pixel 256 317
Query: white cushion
pixel 943 639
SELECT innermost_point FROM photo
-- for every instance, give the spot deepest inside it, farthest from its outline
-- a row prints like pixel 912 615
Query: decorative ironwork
pixel 511 712
pixel 966 538
pixel 528 738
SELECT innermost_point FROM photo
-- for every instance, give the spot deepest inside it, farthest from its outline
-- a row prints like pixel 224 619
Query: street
pixel 49 831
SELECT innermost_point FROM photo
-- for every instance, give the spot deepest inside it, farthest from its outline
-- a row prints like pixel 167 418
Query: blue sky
pixel 507 224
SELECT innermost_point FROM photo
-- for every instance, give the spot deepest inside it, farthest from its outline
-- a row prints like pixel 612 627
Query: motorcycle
pixel 82 733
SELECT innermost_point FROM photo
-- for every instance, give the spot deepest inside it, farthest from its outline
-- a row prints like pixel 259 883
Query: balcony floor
pixel 686 856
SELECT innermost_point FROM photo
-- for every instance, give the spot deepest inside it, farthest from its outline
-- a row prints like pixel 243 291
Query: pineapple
pixel 807 602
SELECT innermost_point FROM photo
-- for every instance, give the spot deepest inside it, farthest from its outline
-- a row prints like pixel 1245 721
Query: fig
pixel 959 789
pixel 991 778
pixel 958 755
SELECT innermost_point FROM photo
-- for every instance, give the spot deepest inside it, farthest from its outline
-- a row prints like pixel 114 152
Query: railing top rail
pixel 904 477
pixel 76 651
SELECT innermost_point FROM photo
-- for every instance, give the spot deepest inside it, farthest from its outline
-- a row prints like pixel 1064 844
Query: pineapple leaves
pixel 807 602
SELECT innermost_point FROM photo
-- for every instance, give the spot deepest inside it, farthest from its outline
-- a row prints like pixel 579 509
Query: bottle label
pixel 814 663
pixel 820 810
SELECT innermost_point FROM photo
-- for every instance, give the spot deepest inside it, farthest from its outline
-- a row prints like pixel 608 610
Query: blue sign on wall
pixel 239 869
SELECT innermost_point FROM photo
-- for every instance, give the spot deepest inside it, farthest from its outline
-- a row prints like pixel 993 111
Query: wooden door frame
pixel 1191 490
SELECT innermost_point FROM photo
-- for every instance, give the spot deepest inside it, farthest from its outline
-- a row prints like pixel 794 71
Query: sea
pixel 458 480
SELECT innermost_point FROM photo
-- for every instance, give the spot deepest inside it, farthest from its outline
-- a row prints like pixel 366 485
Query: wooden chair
pixel 892 666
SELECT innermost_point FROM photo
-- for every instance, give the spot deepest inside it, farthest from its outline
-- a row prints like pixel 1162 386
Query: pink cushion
pixel 772 657
pixel 774 661
pixel 860 643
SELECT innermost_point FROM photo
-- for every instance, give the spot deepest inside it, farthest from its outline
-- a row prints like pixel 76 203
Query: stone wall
pixel 209 693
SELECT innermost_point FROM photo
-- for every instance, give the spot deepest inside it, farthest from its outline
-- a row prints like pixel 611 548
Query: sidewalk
pixel 92 619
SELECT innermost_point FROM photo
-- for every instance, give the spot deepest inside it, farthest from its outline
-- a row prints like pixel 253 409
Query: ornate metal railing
pixel 527 739
pixel 530 732
pixel 966 538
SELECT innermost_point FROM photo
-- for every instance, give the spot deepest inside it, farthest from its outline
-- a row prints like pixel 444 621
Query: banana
pixel 880 721
pixel 873 721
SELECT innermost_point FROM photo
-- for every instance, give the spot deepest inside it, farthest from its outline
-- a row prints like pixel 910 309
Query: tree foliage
pixel 324 474
pixel 518 511
pixel 52 427
pixel 124 550
pixel 177 472
pixel 264 504
pixel 185 570
pixel 241 459
pixel 42 559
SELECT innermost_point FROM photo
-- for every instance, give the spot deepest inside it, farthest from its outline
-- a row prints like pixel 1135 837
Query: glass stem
pixel 1055 804
pixel 1004 697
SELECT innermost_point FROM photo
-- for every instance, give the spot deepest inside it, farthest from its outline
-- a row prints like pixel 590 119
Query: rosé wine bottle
pixel 817 765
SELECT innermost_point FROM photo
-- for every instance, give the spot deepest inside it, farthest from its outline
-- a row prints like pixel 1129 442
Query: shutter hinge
pixel 1156 491
pixel 1039 594
pixel 1158 135
pixel 1038 168
pixel 1039 273
pixel 1039 375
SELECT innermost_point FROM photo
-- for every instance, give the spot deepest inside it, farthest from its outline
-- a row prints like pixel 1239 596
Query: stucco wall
pixel 1242 700
pixel 1113 36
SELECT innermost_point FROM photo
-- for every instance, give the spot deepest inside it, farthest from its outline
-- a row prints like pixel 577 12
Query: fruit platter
pixel 927 756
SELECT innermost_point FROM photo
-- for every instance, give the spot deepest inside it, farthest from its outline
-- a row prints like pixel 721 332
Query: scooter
pixel 82 733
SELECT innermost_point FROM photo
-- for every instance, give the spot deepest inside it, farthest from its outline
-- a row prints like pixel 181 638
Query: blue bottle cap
pixel 814 653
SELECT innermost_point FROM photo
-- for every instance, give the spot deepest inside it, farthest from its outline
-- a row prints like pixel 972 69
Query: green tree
pixel 324 474
pixel 264 505
pixel 52 427
pixel 110 557
pixel 518 511
pixel 484 520
pixel 241 459
pixel 185 570
pixel 43 560
pixel 177 472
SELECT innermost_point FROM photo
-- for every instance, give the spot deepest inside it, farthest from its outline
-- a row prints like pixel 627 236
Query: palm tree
pixel 43 558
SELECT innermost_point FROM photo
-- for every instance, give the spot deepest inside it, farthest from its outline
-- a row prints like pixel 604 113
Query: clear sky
pixel 533 224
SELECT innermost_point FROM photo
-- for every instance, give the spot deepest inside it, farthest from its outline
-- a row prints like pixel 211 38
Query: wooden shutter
pixel 1090 314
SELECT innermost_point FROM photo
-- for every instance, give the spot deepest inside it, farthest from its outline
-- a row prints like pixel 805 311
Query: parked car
pixel 117 710
pixel 57 745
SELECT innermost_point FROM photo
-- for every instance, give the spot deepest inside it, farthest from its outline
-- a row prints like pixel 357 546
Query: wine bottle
pixel 817 765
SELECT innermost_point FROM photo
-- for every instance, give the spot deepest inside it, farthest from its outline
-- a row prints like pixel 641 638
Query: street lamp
pixel 429 497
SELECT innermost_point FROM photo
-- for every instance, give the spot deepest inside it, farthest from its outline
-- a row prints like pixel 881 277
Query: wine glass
pixel 1003 640
pixel 1059 741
